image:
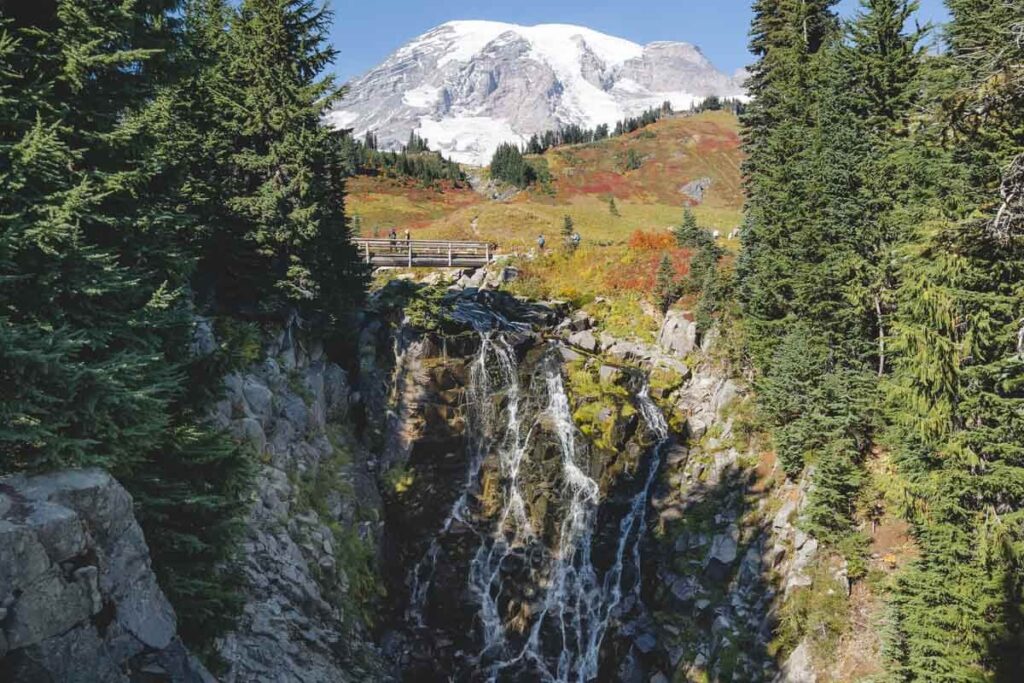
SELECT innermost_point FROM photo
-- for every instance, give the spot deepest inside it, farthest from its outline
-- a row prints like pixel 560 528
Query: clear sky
pixel 367 31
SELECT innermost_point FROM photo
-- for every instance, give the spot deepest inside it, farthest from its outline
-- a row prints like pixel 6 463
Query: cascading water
pixel 481 416
pixel 556 635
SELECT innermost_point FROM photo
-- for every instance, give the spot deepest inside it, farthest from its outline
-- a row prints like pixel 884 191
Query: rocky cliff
pixel 308 556
pixel 496 488
pixel 78 598
pixel 478 492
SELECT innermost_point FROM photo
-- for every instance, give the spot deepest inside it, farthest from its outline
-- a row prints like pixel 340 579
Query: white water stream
pixel 560 641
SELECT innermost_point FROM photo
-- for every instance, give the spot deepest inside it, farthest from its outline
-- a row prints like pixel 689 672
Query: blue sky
pixel 367 31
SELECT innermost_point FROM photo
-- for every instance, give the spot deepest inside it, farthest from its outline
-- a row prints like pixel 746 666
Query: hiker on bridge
pixel 393 238
pixel 408 236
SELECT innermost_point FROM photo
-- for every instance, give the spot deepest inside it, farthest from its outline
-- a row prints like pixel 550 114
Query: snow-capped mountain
pixel 468 86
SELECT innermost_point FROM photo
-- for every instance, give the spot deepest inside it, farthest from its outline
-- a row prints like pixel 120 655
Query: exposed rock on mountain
pixel 308 539
pixel 468 86
pixel 78 599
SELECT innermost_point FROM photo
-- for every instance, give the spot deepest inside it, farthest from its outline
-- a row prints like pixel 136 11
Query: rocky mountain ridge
pixel 468 86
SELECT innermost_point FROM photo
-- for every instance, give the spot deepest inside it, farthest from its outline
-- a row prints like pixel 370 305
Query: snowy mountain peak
pixel 468 86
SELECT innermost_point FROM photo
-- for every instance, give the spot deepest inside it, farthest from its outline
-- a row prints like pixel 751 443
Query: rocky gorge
pixel 491 489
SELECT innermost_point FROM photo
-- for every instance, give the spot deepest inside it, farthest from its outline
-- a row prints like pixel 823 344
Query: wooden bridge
pixel 423 253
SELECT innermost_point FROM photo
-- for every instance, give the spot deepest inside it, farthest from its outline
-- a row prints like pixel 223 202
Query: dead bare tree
pixel 1009 219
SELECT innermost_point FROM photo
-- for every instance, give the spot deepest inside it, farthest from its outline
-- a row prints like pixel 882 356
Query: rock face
pixel 293 408
pixel 78 598
pixel 468 86
pixel 678 334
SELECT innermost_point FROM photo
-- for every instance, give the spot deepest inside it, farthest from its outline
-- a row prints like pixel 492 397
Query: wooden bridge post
pixel 449 254
pixel 487 253
pixel 410 253
pixel 366 245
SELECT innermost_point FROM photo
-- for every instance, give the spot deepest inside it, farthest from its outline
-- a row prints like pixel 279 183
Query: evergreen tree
pixel 787 40
pixel 567 230
pixel 282 241
pixel 508 165
pixel 666 289
pixel 956 394
pixel 95 256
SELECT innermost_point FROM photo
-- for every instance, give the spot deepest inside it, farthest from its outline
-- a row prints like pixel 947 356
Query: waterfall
pixel 481 419
pixel 559 634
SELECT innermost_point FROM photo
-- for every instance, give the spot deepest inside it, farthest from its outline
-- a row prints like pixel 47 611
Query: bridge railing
pixel 423 252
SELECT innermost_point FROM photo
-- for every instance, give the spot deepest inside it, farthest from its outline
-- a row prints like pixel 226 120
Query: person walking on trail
pixel 540 243
pixel 575 240
pixel 393 238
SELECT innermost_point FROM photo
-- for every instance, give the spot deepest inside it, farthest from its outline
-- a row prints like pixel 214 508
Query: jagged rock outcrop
pixel 315 499
pixel 78 597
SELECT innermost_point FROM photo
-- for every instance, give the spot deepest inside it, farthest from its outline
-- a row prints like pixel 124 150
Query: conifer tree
pixel 612 208
pixel 282 241
pixel 567 230
pixel 957 402
pixel 666 289
pixel 787 39
pixel 94 263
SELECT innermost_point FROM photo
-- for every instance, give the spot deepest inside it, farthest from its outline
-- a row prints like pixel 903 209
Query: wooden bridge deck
pixel 423 253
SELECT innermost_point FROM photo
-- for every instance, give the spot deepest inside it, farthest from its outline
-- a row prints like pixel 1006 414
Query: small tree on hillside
pixel 567 230
pixel 612 208
pixel 688 234
pixel 666 291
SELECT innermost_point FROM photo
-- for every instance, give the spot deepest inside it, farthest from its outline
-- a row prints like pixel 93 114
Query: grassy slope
pixel 675 151
pixel 613 273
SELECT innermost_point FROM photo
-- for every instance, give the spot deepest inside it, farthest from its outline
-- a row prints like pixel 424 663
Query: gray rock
pixel 580 320
pixel 727 392
pixel 249 430
pixel 646 642
pixel 685 589
pixel 70 546
pixel 258 399
pixel 709 339
pixel 696 428
pixel 585 340
pixel 782 517
pixel 722 553
pixel 609 374
pixel 799 667
pixel 629 351
pixel 695 189
pixel 569 355
pixel 204 341
pixel 678 334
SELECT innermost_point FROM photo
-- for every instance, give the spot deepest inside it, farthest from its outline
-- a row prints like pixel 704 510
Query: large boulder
pixel 78 596
pixel 678 334
pixel 723 552
pixel 799 667
pixel 585 340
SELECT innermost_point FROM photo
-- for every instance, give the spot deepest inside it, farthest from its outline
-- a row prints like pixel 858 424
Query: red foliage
pixel 606 183
pixel 652 241
pixel 639 269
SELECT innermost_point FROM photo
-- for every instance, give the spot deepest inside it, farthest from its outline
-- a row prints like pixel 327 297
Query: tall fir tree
pixel 96 255
pixel 282 241
pixel 958 383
